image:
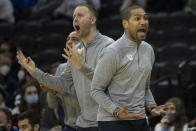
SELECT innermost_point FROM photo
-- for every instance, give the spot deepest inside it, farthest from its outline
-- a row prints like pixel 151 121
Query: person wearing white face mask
pixel 5 64
pixel 7 81
pixel 4 70
pixel 21 75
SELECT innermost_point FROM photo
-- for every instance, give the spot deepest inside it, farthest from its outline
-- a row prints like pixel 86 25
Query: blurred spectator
pixel 45 8
pixel 54 67
pixel 6 11
pixel 128 3
pixel 21 75
pixel 175 119
pixel 192 125
pixel 29 78
pixel 9 48
pixel 2 97
pixel 23 4
pixel 155 6
pixel 190 6
pixel 15 110
pixel 7 82
pixel 30 99
pixel 49 120
pixel 67 7
pixel 6 120
pixel 23 8
pixel 29 121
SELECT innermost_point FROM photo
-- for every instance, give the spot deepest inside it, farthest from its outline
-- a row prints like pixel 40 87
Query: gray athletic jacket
pixel 68 99
pixel 82 85
pixel 122 77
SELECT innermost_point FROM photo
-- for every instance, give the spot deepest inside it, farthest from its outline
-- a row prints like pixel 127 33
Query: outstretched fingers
pixel 21 58
pixel 68 52
pixel 135 116
pixel 64 56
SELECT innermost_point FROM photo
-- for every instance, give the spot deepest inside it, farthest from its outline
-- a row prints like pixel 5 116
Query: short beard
pixel 133 37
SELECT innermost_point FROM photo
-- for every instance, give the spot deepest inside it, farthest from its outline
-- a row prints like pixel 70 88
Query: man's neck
pixel 89 37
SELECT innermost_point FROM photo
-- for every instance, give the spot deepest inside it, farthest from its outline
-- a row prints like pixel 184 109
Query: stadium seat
pixel 51 41
pixel 58 26
pixel 47 57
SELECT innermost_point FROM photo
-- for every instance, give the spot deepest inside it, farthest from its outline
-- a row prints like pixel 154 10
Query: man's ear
pixel 125 24
pixel 36 127
pixel 93 20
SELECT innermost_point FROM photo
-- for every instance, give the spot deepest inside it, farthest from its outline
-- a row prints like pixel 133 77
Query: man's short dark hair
pixel 7 113
pixel 125 14
pixel 33 117
pixel 91 9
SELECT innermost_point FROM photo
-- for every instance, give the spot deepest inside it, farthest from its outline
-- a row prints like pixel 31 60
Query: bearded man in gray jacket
pixel 121 79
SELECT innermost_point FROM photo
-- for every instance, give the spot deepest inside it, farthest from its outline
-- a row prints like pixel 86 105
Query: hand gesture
pixel 75 56
pixel 123 114
pixel 159 110
pixel 26 63
pixel 164 121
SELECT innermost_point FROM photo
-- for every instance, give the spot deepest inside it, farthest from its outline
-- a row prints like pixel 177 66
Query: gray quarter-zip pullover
pixel 122 77
pixel 82 85
pixel 68 99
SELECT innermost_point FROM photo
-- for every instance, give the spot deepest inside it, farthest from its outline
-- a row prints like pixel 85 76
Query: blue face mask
pixel 32 99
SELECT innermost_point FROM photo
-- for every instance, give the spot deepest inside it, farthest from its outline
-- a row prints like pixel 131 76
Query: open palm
pixel 123 114
pixel 75 56
pixel 26 63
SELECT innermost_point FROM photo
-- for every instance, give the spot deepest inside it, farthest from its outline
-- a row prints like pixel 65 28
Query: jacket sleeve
pixel 149 99
pixel 87 71
pixel 52 100
pixel 103 75
pixel 60 83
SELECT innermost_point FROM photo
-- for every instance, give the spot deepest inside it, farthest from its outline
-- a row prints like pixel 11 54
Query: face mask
pixel 3 128
pixel 32 99
pixel 4 70
pixel 21 75
pixel 171 117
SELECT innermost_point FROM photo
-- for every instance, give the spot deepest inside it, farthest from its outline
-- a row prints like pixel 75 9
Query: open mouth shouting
pixel 77 28
pixel 142 32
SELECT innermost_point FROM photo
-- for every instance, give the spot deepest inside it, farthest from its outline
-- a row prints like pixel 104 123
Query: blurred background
pixel 40 27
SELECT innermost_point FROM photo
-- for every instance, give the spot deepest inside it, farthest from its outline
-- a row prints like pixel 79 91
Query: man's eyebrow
pixel 140 14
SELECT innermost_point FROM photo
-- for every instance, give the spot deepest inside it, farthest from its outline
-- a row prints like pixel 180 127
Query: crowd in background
pixel 14 10
pixel 20 93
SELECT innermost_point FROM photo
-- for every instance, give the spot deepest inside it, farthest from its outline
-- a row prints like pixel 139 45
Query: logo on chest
pixel 130 57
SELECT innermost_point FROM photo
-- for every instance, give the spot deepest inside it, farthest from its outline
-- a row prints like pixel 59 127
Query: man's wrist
pixel 116 112
pixel 151 107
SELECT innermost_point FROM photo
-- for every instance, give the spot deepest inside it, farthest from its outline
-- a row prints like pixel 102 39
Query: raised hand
pixel 27 63
pixel 123 114
pixel 75 56
pixel 165 121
